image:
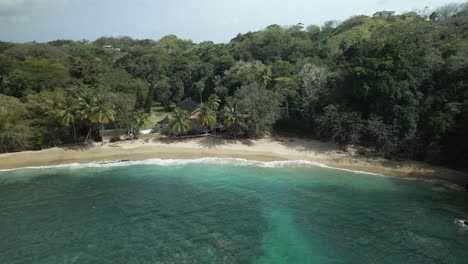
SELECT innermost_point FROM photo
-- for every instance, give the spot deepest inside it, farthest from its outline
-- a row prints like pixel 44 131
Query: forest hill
pixel 395 84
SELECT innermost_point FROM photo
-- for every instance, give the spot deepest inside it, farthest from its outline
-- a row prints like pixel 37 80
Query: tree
pixel 33 75
pixel 313 78
pixel 287 88
pixel 67 112
pixel 140 100
pixel 206 115
pixel 200 87
pixel 246 73
pixel 101 110
pixel 15 133
pixel 86 70
pixel 180 121
pixel 266 76
pixel 262 107
pixel 213 102
pixel 138 120
pixel 149 99
pixel 447 11
pixel 163 91
pixel 44 118
pixel 343 127
pixel 234 120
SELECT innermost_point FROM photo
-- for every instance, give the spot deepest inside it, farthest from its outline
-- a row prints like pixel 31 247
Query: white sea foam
pixel 445 183
pixel 175 162
pixel 461 223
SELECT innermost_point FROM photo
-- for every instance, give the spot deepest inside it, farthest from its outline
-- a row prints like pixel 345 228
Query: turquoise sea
pixel 226 211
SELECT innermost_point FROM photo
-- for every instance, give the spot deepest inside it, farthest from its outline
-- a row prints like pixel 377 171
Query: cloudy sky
pixel 216 20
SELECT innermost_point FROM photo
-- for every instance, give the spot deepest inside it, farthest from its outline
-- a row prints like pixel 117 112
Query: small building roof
pixel 165 121
pixel 188 105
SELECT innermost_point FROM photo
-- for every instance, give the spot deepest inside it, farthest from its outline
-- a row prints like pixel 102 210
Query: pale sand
pixel 266 149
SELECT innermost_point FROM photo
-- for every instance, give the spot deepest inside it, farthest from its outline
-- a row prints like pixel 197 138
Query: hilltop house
pixel 383 14
pixel 110 48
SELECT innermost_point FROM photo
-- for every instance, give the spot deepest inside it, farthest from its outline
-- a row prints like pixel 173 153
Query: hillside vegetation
pixel 397 85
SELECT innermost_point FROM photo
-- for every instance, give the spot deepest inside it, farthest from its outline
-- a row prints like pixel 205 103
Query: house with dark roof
pixel 188 105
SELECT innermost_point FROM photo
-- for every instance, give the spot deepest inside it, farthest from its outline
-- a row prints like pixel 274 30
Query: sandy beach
pixel 266 149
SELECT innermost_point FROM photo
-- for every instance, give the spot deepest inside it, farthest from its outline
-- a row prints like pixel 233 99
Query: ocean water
pixel 226 211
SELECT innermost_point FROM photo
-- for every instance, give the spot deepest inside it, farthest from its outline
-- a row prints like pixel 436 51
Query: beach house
pixel 190 106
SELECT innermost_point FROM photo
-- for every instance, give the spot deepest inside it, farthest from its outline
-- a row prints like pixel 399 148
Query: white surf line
pixel 221 161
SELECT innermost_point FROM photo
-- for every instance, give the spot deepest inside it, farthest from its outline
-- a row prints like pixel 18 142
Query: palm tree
pixel 213 102
pixel 101 111
pixel 180 121
pixel 138 120
pixel 67 113
pixel 266 76
pixel 206 116
pixel 200 87
pixel 234 120
pixel 84 109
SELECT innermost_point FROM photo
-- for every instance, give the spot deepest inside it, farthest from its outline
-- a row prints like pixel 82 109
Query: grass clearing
pixel 158 113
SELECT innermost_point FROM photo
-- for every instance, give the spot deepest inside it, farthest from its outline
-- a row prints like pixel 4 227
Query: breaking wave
pixel 175 162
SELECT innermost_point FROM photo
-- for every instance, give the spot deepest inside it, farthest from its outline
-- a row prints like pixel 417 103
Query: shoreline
pixel 266 149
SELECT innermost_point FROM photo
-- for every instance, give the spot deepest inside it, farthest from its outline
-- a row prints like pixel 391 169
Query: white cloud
pixel 24 8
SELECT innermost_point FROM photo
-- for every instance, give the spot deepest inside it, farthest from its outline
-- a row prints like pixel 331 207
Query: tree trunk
pixel 74 133
pixel 89 133
pixel 102 134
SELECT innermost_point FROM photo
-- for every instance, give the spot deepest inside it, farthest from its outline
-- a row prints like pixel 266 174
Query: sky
pixel 199 20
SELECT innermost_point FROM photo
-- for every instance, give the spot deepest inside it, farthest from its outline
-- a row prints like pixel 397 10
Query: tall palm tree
pixel 180 121
pixel 101 111
pixel 234 120
pixel 266 76
pixel 206 116
pixel 84 109
pixel 200 87
pixel 67 113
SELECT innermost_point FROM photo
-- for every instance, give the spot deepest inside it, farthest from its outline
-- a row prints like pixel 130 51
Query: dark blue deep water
pixel 219 211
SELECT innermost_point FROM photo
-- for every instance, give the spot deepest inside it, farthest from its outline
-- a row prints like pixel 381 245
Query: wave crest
pixel 175 162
